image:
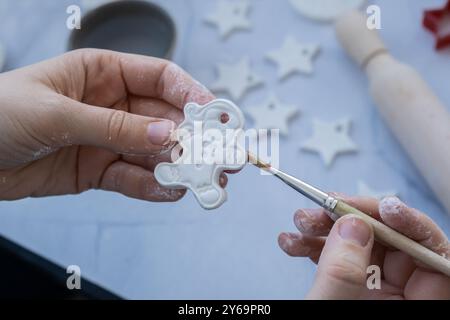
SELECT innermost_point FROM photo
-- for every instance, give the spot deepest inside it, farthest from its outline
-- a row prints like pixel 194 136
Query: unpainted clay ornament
pixel 330 140
pixel 236 79
pixel 230 17
pixel 365 191
pixel 272 115
pixel 202 177
pixel 325 10
pixel 294 57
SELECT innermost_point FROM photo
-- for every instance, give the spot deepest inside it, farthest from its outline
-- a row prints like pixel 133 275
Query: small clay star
pixel 365 191
pixel 272 115
pixel 230 16
pixel 438 22
pixel 236 79
pixel 294 57
pixel 330 140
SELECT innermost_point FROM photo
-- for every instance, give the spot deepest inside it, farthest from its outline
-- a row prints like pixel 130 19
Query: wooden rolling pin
pixel 413 112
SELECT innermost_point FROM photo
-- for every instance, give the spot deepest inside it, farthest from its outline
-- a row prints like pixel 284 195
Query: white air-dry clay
pixel 330 140
pixel 273 114
pixel 230 16
pixel 236 79
pixel 294 57
pixel 200 127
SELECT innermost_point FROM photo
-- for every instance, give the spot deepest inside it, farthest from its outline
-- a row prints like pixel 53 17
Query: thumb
pixel 117 130
pixel 341 272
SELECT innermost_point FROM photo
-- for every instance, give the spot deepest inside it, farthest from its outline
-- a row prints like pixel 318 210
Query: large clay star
pixel 438 22
pixel 272 115
pixel 236 79
pixel 365 191
pixel 294 57
pixel 230 16
pixel 330 140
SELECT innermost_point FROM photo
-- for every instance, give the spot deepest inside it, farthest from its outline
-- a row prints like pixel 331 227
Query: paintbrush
pixel 337 208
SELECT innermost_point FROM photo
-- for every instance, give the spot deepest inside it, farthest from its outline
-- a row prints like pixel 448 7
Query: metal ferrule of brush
pixel 324 200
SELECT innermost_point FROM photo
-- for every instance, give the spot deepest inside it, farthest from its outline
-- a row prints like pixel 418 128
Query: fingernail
pixel 304 220
pixel 159 133
pixel 284 241
pixel 355 230
pixel 391 205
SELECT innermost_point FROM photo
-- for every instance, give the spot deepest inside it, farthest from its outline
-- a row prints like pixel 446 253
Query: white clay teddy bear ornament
pixel 211 141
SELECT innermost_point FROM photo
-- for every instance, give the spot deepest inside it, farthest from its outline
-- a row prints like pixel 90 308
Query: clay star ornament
pixel 230 17
pixel 438 22
pixel 365 191
pixel 294 57
pixel 330 140
pixel 272 115
pixel 236 79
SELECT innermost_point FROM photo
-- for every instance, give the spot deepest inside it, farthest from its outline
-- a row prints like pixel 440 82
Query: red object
pixel 434 21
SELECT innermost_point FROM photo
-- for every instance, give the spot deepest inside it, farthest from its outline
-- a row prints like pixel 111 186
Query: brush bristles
pixel 255 161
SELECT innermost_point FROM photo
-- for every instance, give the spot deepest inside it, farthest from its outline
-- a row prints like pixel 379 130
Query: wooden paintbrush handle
pixel 397 240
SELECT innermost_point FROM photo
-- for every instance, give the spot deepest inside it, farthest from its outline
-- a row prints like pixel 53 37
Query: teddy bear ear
pixel 191 109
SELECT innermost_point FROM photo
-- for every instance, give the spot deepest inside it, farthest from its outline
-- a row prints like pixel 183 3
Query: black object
pixel 129 26
pixel 25 275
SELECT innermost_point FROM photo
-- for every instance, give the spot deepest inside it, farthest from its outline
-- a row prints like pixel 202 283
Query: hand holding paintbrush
pixel 337 208
pixel 349 247
pixel 353 266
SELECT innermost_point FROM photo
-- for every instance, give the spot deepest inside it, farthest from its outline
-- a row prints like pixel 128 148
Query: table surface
pixel 178 251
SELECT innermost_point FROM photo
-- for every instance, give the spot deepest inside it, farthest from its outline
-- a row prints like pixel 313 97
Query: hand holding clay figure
pixel 91 119
pixel 345 249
